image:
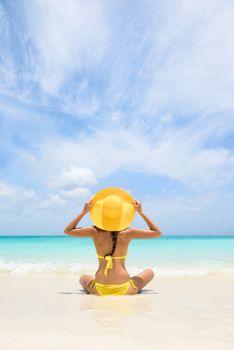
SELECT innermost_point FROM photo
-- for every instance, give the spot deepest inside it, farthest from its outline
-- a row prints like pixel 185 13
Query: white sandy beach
pixel 52 312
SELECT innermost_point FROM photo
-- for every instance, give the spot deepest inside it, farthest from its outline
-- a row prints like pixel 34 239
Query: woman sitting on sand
pixel 112 210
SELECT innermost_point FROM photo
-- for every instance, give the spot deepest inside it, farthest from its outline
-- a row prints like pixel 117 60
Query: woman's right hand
pixel 137 205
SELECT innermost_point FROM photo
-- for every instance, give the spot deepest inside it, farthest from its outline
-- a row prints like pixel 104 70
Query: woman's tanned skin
pixel 103 244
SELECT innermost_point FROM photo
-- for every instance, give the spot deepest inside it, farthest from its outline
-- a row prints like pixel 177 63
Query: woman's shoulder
pixel 98 229
pixel 122 232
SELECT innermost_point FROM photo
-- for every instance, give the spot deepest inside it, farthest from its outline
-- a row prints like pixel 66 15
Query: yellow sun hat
pixel 112 209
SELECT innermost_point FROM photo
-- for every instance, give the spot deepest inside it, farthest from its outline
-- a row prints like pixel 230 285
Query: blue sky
pixel 130 94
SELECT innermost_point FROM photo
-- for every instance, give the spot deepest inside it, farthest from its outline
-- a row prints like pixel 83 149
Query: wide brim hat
pixel 112 209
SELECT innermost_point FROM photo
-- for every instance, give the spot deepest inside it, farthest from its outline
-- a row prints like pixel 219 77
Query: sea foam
pixel 22 267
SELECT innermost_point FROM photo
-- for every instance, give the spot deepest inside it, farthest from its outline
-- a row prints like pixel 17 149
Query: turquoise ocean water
pixel 167 255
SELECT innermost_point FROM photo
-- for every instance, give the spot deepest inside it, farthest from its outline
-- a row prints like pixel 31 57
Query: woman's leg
pixel 85 281
pixel 142 279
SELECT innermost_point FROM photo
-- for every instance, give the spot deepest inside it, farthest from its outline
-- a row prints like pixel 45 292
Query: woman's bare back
pixel 103 244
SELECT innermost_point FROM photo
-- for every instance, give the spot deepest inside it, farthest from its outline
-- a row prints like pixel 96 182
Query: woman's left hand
pixel 87 206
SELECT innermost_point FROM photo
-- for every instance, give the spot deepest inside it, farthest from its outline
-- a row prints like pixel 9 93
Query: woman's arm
pixel 153 232
pixel 149 222
pixel 72 230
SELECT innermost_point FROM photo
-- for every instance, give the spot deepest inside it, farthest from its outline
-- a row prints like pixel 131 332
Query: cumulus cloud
pixel 179 154
pixel 73 184
pixel 52 201
pixel 15 193
pixel 75 193
pixel 74 176
pixel 63 197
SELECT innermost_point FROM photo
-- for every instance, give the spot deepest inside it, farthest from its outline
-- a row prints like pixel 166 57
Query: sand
pixel 52 312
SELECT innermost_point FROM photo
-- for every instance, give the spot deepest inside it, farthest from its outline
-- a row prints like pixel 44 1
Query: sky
pixel 131 94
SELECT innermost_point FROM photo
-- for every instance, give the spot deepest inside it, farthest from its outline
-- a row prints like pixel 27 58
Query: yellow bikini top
pixel 109 263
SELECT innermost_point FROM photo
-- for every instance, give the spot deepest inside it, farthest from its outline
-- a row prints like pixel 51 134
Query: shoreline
pixel 50 311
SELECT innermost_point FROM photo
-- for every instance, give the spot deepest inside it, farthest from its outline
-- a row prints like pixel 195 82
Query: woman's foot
pixel 85 281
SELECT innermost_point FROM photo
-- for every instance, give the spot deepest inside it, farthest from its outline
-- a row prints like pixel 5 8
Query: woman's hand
pixel 137 205
pixel 87 206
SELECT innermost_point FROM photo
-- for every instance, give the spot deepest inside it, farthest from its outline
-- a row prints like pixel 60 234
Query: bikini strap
pixel 109 263
pixel 113 257
pixel 133 283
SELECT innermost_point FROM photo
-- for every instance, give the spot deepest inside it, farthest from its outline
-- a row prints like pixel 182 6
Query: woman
pixel 112 277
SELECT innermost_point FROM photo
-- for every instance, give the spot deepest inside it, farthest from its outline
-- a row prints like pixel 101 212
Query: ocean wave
pixel 19 267
pixel 22 267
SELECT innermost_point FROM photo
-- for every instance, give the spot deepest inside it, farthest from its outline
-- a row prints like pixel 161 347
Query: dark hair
pixel 114 235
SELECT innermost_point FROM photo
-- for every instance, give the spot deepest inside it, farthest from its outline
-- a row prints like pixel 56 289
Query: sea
pixel 166 255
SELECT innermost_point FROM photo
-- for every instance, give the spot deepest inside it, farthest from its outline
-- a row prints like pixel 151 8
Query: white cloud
pixel 158 88
pixel 51 202
pixel 207 212
pixel 67 37
pixel 191 62
pixel 71 185
pixel 180 154
pixel 180 61
pixel 62 198
pixel 15 193
pixel 7 74
pixel 74 176
pixel 75 193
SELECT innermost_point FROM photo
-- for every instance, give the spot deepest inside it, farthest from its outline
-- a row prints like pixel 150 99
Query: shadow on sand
pixel 83 292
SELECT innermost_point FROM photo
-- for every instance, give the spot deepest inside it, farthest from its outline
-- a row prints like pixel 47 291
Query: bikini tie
pixel 109 264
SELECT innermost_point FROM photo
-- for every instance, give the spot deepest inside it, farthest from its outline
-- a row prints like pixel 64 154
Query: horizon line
pixel 171 235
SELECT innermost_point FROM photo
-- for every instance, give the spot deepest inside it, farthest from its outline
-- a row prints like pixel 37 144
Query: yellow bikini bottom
pixel 113 289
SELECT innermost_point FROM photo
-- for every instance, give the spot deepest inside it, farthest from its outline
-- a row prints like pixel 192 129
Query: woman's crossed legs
pixel 140 280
